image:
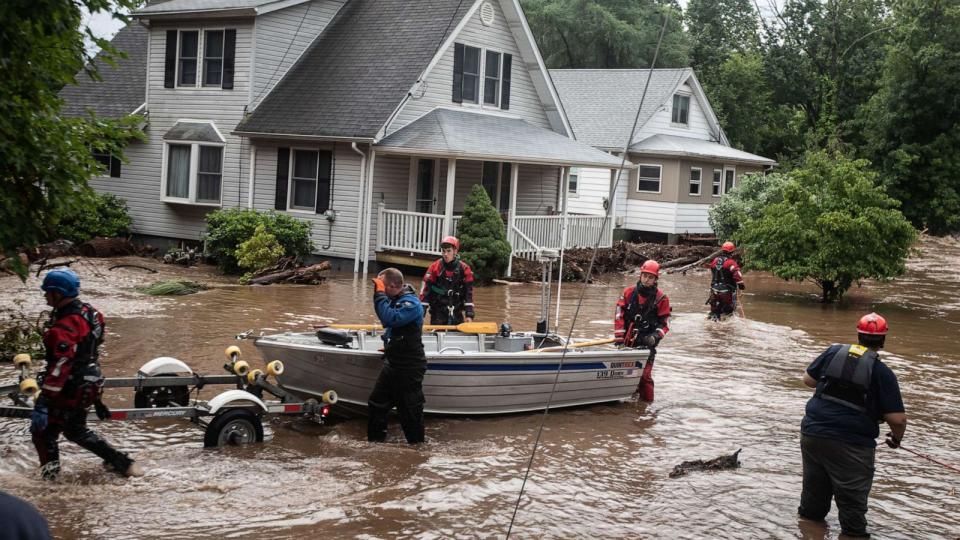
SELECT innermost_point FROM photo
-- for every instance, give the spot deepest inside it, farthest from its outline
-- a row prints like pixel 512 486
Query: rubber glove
pixel 378 285
pixel 650 340
pixel 741 286
pixel 39 417
pixel 892 440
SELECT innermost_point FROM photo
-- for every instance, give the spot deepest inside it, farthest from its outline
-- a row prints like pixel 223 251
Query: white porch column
pixel 612 201
pixel 448 207
pixel 512 216
pixel 564 192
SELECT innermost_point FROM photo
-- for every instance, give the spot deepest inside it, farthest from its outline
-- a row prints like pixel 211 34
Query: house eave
pixel 294 136
pixel 199 14
pixel 680 153
pixel 447 154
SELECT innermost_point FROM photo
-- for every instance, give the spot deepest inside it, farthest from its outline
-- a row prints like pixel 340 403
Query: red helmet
pixel 452 240
pixel 650 267
pixel 872 324
pixel 728 247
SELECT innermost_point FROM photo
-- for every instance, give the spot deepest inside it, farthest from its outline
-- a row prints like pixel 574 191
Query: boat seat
pixel 333 336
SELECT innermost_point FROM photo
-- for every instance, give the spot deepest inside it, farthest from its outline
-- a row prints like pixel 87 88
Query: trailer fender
pixel 230 396
pixel 164 365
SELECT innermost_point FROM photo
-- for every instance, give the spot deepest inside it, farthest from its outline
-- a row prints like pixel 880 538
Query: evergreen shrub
pixel 483 237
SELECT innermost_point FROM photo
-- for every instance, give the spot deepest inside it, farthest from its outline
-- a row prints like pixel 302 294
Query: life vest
pixel 405 345
pixel 642 316
pixel 449 289
pixel 846 378
pixel 77 382
pixel 722 279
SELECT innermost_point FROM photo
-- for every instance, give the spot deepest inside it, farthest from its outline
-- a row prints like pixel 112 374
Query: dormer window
pixel 184 58
pixel 681 109
pixel 471 65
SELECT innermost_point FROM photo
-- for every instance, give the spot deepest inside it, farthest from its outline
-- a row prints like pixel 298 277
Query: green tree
pixel 606 33
pixel 228 229
pixel 751 195
pixel 835 225
pixel 915 117
pixel 259 251
pixel 97 215
pixel 482 235
pixel 45 159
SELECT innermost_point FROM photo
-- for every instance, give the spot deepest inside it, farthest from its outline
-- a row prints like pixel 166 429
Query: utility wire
pixel 586 279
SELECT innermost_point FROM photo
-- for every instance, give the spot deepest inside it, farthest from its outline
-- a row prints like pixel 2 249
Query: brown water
pixel 600 471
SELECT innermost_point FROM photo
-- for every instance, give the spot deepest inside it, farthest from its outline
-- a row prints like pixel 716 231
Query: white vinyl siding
pixel 667 217
pixel 524 101
pixel 282 36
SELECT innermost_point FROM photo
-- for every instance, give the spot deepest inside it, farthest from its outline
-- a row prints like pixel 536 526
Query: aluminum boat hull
pixel 465 374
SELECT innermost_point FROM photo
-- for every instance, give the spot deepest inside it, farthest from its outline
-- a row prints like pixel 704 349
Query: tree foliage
pixel 259 251
pixel 96 215
pixel 748 199
pixel 915 117
pixel 482 235
pixel 834 224
pixel 45 159
pixel 229 228
pixel 606 33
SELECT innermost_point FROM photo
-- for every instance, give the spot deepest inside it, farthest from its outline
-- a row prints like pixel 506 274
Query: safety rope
pixel 924 456
pixel 586 279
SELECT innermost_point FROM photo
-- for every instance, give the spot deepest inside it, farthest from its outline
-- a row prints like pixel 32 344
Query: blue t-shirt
pixel 830 420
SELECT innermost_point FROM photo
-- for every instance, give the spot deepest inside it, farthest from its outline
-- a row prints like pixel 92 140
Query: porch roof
pixel 469 135
pixel 686 146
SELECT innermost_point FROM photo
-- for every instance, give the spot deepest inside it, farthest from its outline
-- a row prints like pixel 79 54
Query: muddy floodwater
pixel 601 471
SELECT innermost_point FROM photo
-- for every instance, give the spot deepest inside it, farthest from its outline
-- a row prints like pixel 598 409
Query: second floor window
pixel 212 57
pixel 681 109
pixel 491 79
pixel 187 59
pixel 494 71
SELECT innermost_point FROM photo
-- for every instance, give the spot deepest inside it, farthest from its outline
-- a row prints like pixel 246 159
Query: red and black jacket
pixel 72 344
pixel 644 313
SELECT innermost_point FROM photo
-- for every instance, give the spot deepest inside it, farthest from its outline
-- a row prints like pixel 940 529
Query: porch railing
pixel 418 232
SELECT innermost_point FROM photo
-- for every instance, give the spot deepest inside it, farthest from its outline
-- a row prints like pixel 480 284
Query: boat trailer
pixel 162 389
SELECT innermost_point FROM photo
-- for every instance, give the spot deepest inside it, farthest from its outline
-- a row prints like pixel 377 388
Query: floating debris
pixel 172 287
pixel 716 464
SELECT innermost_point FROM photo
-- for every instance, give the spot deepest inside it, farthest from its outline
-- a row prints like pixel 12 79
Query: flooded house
pixel 372 120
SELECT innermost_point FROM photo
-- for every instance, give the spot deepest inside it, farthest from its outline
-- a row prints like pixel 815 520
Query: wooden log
pixel 698 262
pixel 306 275
pixel 678 261
pixel 107 247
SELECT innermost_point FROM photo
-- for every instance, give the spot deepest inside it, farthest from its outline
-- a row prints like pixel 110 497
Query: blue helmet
pixel 65 282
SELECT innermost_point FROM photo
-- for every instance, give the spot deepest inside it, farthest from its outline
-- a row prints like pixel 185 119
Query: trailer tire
pixel 233 426
pixel 156 397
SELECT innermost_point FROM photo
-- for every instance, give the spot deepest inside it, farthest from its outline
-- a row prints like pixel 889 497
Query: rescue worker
pixel 643 313
pixel 71 381
pixel 400 382
pixel 725 281
pixel 448 286
pixel 855 391
pixel 21 520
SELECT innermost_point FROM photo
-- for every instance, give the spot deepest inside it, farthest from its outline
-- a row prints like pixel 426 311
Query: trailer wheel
pixel 233 427
pixel 156 397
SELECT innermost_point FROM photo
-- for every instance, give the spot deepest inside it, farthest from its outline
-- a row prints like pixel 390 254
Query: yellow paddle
pixel 573 345
pixel 466 328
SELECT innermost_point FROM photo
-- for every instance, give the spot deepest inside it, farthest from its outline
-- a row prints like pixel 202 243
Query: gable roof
pixel 482 136
pixel 601 103
pixel 351 79
pixel 122 89
pixel 235 7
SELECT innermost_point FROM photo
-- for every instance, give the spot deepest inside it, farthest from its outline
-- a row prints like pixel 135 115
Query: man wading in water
pixel 855 392
pixel 725 281
pixel 643 312
pixel 400 382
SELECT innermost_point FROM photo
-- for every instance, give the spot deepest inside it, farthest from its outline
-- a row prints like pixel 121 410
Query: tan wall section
pixel 669 171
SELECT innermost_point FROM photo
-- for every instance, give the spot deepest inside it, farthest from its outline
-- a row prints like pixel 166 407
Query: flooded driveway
pixel 601 471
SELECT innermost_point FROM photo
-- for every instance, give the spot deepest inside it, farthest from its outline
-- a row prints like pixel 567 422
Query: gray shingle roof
pixel 470 135
pixel 601 103
pixel 673 145
pixel 123 88
pixel 357 72
pixel 182 6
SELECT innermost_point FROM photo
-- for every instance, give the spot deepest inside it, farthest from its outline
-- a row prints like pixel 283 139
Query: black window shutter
pixel 229 48
pixel 114 167
pixel 505 92
pixel 283 173
pixel 458 52
pixel 170 62
pixel 323 181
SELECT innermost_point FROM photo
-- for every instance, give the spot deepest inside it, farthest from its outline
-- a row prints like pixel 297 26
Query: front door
pixel 426 197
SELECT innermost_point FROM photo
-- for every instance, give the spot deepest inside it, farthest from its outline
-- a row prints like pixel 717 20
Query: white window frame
pixel 733 169
pixel 574 173
pixel 483 86
pixel 194 166
pixel 717 183
pixel 480 65
pixel 202 60
pixel 659 180
pixel 673 109
pixel 199 57
pixel 698 183
pixel 290 179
